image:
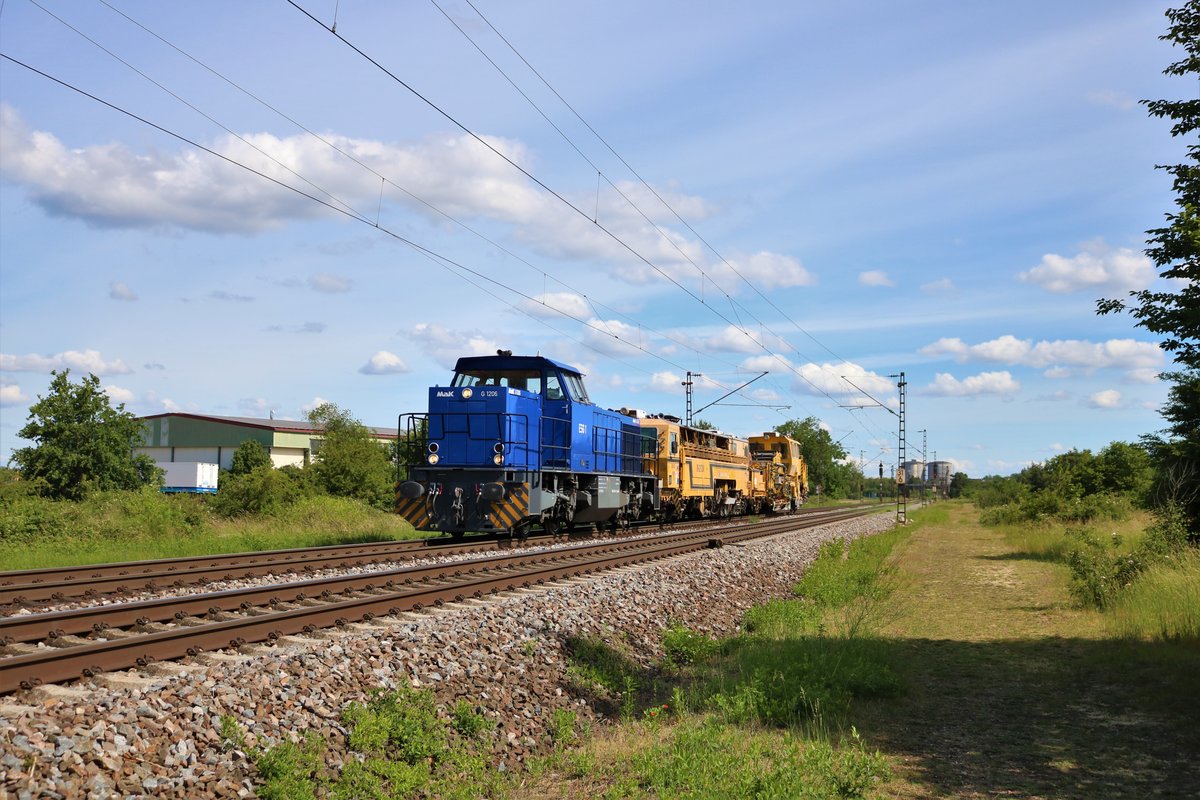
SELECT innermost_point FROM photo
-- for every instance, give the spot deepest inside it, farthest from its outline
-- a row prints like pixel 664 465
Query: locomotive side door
pixel 556 423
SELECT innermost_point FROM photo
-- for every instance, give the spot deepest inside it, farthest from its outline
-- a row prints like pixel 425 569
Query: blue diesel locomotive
pixel 514 440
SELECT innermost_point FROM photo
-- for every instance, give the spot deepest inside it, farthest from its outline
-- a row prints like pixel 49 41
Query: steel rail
pixel 77 621
pixel 56 664
pixel 23 587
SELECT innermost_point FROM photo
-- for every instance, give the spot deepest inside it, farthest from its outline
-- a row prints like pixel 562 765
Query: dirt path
pixel 1015 693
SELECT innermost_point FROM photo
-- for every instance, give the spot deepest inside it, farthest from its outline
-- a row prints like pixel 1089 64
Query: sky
pixel 252 214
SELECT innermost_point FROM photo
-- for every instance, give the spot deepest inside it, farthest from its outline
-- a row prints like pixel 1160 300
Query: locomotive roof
pixel 511 362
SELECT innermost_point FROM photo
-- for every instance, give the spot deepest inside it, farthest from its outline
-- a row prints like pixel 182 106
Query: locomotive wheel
pixel 551 526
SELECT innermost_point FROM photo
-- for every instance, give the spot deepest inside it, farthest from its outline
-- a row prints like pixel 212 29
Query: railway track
pixel 41 586
pixel 58 646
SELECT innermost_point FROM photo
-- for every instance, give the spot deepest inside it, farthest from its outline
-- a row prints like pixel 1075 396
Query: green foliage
pixel 348 462
pixel 844 573
pixel 958 485
pixel 289 771
pixel 1164 602
pixel 824 457
pixel 467 721
pixel 81 443
pixel 231 732
pixel 683 646
pixel 403 724
pixel 709 760
pixel 1174 312
pixel 264 490
pixel 563 727
pixel 249 456
pixel 1101 571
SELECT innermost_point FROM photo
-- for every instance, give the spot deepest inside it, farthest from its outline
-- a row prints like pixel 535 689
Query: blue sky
pixel 822 191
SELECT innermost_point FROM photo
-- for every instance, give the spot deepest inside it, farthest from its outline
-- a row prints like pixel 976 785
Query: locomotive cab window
pixel 575 387
pixel 529 380
pixel 553 388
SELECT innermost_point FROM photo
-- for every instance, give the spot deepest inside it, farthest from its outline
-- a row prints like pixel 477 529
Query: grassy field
pixel 988 681
pixel 1013 691
pixel 129 526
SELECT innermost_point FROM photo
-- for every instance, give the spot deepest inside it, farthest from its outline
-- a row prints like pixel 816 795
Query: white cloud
pixel 230 297
pixel 875 277
pixel 313 404
pixel 614 338
pixel 119 291
pixel 765 270
pixel 1056 447
pixel 119 395
pixel 111 185
pixel 329 284
pixel 738 340
pixel 1097 267
pixel 447 346
pixel 667 382
pixel 257 405
pixel 940 288
pixel 846 381
pixel 554 304
pixel 383 363
pixel 1109 398
pixel 1149 376
pixel 1127 354
pixel 997 383
pixel 1058 373
pixel 1111 98
pixel 11 395
pixel 85 361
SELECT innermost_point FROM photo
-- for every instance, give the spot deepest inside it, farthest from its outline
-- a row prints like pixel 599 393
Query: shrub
pixel 263 490
pixel 249 456
pixel 682 646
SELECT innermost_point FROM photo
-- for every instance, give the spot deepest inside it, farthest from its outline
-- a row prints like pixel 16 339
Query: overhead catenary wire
pixel 625 245
pixel 383 178
pixel 740 325
pixel 628 166
pixel 427 252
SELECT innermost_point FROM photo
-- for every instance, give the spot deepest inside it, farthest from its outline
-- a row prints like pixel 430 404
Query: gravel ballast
pixel 156 732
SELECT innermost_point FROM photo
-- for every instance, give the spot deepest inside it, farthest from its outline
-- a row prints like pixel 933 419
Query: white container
pixel 189 476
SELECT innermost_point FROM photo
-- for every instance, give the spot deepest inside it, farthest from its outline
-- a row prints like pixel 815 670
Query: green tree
pixel 821 453
pixel 81 443
pixel 958 484
pixel 249 456
pixel 703 425
pixel 348 462
pixel 1174 313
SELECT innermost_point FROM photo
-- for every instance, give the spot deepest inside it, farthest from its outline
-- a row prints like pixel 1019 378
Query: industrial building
pixel 206 438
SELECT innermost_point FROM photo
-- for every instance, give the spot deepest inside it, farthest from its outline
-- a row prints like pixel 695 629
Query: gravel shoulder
pixel 155 733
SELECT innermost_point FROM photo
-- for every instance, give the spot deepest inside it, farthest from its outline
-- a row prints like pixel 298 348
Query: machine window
pixel 553 388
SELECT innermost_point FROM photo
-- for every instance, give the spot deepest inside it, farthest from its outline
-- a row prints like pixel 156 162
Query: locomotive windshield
pixel 529 380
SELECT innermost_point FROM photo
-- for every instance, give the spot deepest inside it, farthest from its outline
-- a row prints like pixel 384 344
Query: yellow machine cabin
pixel 702 472
pixel 778 474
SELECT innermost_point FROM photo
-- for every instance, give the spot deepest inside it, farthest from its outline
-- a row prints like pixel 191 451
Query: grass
pixel 1051 541
pixel 763 714
pixel 126 526
pixel 1164 603
pixel 1015 690
pixel 948 655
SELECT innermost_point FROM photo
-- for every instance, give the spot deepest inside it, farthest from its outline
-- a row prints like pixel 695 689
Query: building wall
pixel 289 456
pixel 171 438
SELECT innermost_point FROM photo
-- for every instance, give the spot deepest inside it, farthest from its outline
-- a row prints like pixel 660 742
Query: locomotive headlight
pixel 433 458
pixel 498 459
pixel 498 448
pixel 433 447
pixel 466 395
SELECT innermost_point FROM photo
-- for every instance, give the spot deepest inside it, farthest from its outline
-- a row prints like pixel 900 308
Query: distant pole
pixel 901 498
pixel 687 387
